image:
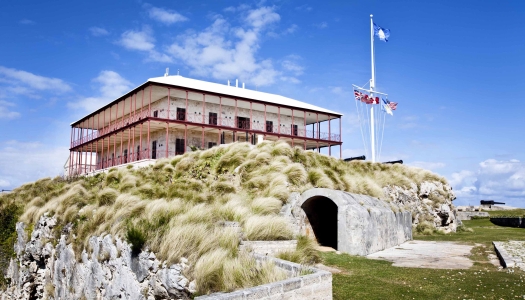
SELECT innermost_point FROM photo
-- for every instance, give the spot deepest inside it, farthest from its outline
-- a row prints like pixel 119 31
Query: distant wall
pixel 467 215
pixel 317 285
pixel 509 222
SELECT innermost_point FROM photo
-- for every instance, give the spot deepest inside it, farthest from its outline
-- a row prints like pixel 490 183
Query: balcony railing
pixel 195 118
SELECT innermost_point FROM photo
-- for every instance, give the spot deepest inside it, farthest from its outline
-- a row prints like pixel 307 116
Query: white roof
pixel 237 92
pixel 224 89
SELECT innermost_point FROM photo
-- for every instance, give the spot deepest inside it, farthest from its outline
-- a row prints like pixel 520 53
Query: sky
pixel 456 68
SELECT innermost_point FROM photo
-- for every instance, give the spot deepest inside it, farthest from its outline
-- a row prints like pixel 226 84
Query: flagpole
pixel 372 86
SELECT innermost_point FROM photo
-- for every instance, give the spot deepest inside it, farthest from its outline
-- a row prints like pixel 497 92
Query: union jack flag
pixel 358 95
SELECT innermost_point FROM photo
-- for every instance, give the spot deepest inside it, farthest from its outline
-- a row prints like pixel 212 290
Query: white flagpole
pixel 372 86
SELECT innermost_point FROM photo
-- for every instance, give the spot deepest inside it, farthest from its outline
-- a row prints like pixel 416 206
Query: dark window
pixel 212 119
pixel 243 123
pixel 269 126
pixel 211 145
pixel 125 155
pixel 138 153
pixel 155 113
pixel 179 146
pixel 222 138
pixel 181 114
pixel 154 150
pixel 294 129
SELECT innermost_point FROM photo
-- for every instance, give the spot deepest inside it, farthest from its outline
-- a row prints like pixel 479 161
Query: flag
pixel 392 105
pixel 368 99
pixel 376 100
pixel 382 33
pixel 357 95
pixel 385 107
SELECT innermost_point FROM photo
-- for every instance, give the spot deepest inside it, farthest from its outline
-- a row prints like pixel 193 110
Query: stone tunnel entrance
pixel 322 215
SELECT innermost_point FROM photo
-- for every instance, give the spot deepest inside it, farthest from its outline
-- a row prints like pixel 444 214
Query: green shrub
pixel 136 238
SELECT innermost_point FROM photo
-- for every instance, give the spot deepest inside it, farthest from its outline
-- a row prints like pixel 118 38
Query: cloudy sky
pixel 456 68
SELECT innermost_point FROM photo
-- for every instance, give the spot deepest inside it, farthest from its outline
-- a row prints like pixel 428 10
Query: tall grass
pixel 176 206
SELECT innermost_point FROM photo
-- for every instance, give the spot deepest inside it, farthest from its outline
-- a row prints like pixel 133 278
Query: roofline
pixel 152 83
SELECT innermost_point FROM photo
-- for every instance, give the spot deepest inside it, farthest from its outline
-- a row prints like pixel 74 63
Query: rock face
pixel 46 268
pixel 430 202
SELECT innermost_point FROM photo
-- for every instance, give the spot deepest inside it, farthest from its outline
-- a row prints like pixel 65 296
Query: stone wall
pixel 364 224
pixel 467 215
pixel 316 285
pixel 271 248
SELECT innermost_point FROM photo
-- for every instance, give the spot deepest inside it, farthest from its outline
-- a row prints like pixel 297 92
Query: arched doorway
pixel 322 215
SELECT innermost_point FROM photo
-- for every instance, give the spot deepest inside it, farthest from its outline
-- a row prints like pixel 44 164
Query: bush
pixel 136 238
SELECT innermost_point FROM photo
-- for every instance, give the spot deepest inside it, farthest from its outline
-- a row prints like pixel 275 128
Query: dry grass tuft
pixel 267 228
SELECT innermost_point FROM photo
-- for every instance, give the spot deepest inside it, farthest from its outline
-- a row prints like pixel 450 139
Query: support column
pixel 292 129
pixel 149 144
pixel 340 140
pixel 186 131
pixel 279 122
pixel 169 103
pixel 203 108
pixel 304 148
pixel 235 121
pixel 167 138
pixel 329 136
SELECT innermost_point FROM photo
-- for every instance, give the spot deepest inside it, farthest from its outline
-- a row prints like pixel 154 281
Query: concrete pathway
pixel 427 254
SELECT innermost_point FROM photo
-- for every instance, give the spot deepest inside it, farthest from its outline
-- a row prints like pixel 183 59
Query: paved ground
pixel 513 253
pixel 427 254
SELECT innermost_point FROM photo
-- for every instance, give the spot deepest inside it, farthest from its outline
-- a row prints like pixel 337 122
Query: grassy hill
pixel 175 206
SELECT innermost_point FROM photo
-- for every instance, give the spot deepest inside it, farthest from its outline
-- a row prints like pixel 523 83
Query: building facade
pixel 171 115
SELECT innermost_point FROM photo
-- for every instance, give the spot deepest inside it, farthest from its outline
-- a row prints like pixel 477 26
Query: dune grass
pixel 175 206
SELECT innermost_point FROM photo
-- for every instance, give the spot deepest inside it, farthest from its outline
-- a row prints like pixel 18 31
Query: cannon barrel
pixel 394 162
pixel 362 157
pixel 490 202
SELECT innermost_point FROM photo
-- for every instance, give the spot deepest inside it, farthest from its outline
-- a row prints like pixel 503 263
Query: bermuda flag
pixel 357 95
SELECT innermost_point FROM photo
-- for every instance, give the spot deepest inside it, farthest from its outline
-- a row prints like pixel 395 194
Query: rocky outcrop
pixel 431 202
pixel 47 268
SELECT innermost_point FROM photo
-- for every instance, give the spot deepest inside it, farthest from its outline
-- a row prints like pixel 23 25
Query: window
pixel 181 114
pixel 138 153
pixel 211 144
pixel 294 129
pixel 154 150
pixel 155 113
pixel 269 126
pixel 212 118
pixel 125 155
pixel 243 123
pixel 179 146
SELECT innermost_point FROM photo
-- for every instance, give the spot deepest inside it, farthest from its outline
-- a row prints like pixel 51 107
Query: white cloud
pixel 138 40
pixel 22 81
pixel 293 28
pixel 304 7
pixel 165 16
pixel 338 90
pixel 321 25
pixel 223 52
pixel 5 113
pixel 111 86
pixel 427 165
pixel 290 64
pixel 98 31
pixel 22 162
pixel 241 7
pixel 494 179
pixel 27 22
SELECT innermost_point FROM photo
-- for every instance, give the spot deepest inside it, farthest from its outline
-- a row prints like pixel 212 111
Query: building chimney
pixel 228 82
pixel 236 83
pixel 243 85
pixel 167 72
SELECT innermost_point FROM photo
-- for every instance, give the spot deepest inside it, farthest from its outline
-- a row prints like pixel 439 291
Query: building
pixel 171 115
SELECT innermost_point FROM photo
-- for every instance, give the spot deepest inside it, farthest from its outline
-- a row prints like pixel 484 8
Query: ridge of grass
pixel 173 207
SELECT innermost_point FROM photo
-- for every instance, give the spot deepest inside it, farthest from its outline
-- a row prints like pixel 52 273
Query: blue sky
pixel 456 68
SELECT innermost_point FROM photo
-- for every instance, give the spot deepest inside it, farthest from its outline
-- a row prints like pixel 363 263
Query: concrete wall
pixel 271 248
pixel 364 224
pixel 467 215
pixel 317 285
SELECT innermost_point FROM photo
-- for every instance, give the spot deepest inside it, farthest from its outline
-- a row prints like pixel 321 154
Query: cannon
pixel 394 162
pixel 490 202
pixel 362 157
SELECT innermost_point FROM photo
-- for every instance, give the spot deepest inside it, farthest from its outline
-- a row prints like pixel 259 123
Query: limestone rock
pixel 107 271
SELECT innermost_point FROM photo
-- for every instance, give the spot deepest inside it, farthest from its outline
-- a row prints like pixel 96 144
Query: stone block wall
pixel 317 285
pixel 271 248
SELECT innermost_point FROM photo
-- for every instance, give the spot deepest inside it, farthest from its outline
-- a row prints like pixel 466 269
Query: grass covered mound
pixel 175 206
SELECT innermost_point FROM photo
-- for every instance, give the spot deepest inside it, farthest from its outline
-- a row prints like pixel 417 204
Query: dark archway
pixel 322 215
